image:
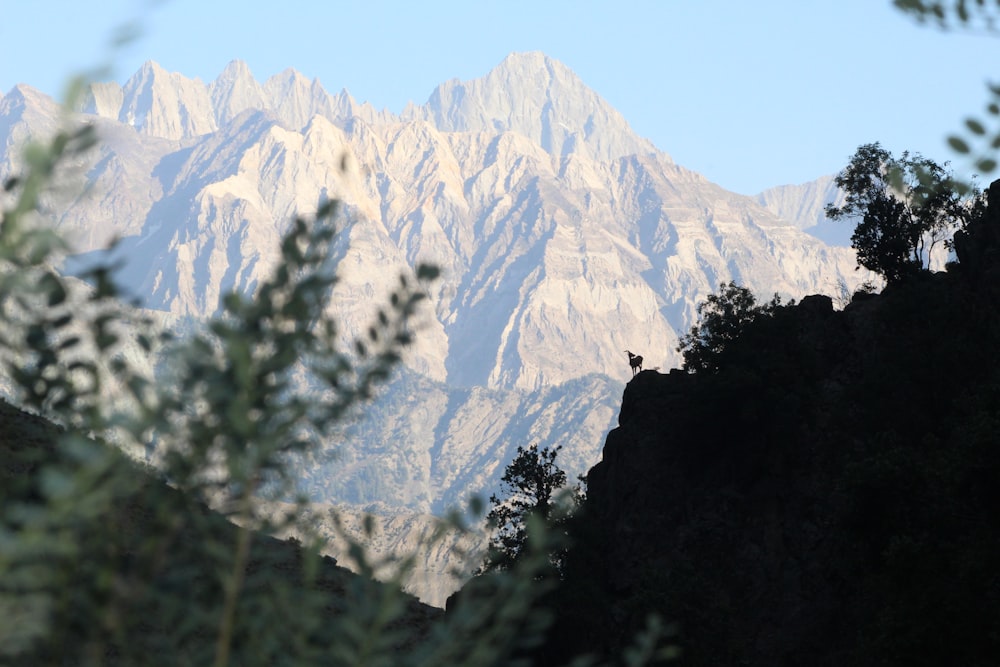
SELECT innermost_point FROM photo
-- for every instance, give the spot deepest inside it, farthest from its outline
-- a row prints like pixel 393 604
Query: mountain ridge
pixel 554 259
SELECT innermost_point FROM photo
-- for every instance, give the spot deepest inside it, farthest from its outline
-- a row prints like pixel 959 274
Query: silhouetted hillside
pixel 829 497
pixel 150 557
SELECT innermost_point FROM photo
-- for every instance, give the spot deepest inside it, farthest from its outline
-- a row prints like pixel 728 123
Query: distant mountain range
pixel 564 239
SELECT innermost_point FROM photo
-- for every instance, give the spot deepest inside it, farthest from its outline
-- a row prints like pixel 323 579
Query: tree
pixel 103 562
pixel 979 138
pixel 722 318
pixel 530 486
pixel 904 206
pixel 223 425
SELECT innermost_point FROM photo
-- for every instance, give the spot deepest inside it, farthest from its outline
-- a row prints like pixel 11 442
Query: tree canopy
pixel 904 207
pixel 722 318
pixel 530 485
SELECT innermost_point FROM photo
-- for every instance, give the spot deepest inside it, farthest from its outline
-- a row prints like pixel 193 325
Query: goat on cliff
pixel 635 361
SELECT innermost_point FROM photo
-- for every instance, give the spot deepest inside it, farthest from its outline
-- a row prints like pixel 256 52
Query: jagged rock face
pixel 458 441
pixel 25 113
pixel 564 240
pixel 104 99
pixel 440 571
pixel 297 100
pixel 805 205
pixel 166 104
pixel 236 91
pixel 538 98
pixel 564 237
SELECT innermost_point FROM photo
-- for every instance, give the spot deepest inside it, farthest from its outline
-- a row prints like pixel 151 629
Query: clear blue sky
pixel 749 93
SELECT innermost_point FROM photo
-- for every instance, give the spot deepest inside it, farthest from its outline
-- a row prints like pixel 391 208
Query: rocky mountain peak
pixel 236 70
pixel 539 97
pixel 24 112
pixel 22 96
pixel 234 91
pixel 805 206
pixel 296 99
pixel 166 104
pixel 104 99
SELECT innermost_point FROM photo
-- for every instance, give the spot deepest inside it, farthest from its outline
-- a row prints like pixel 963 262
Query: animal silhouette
pixel 635 361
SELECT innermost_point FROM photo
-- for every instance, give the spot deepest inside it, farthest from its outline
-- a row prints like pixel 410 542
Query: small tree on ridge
pixel 721 320
pixel 904 206
pixel 531 484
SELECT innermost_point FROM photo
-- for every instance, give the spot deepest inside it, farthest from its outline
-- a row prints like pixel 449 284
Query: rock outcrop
pixel 827 497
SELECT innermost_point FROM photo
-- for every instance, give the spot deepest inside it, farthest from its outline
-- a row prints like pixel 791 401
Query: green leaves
pixel 903 207
pixel 980 138
pixel 957 14
pixel 959 145
pixel 530 484
pixel 722 318
pixel 104 560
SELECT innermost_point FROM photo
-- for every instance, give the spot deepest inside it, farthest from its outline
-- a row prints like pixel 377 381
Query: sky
pixel 751 94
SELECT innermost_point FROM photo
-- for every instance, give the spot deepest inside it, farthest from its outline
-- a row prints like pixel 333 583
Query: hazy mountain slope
pixel 441 567
pixel 804 205
pixel 428 447
pixel 564 240
pixel 235 91
pixel 166 104
pixel 559 250
pixel 539 98
pixel 25 113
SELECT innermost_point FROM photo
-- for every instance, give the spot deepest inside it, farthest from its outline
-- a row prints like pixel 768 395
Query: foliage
pixel 105 561
pixel 905 207
pixel 722 318
pixel 954 14
pixel 980 137
pixel 530 484
pixel 221 431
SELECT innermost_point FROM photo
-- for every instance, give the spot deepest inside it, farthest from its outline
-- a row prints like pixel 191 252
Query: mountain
pixel 553 221
pixel 564 239
pixel 166 104
pixel 805 205
pixel 25 113
pixel 235 91
pixel 539 98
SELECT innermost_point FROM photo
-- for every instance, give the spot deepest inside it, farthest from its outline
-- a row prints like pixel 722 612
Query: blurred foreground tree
pixel 104 561
pixel 979 139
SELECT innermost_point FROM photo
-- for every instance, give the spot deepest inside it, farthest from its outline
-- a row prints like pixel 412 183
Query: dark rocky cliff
pixel 830 496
